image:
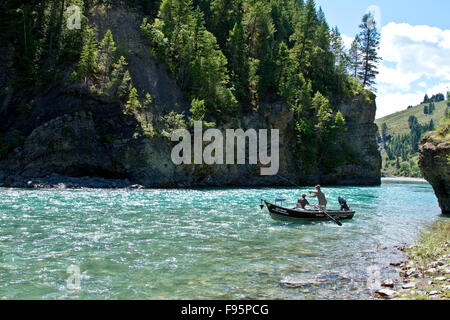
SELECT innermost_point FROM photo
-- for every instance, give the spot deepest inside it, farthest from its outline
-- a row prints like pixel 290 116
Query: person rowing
pixel 320 197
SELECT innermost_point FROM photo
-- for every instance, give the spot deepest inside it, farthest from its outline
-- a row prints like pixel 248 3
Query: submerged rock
pixel 409 286
pixel 386 293
pixel 388 283
pixel 299 284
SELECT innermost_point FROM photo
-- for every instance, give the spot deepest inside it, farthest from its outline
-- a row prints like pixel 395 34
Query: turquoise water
pixel 201 244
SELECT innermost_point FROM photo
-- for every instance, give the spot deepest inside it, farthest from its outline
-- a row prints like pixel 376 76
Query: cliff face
pixel 434 162
pixel 365 167
pixel 72 133
pixel 74 142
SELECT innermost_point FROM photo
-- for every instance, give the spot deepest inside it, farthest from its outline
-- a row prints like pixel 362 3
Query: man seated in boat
pixel 302 202
pixel 343 203
pixel 320 196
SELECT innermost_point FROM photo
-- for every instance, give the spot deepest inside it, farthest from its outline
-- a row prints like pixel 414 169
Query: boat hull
pixel 292 215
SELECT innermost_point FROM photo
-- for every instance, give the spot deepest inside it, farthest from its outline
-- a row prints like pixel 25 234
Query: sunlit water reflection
pixel 201 244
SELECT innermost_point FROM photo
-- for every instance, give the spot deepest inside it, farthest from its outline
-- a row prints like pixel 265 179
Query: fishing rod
pixel 279 176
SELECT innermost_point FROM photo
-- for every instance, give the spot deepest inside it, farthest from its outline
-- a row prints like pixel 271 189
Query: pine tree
pixel 355 57
pixel 198 110
pixel 305 33
pixel 125 85
pixel 259 29
pixel 192 54
pixel 285 73
pixel 285 15
pixel 384 131
pixel 431 126
pixel 148 103
pixel 337 46
pixel 224 14
pixel 324 115
pixel 339 127
pixel 88 67
pixel 25 53
pixel 260 32
pixel 370 42
pixel 431 108
pixel 322 68
pixel 237 53
pixel 107 51
pixel 133 103
pixel 117 77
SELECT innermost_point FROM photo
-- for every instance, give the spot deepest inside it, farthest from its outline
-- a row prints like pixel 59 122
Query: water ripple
pixel 198 244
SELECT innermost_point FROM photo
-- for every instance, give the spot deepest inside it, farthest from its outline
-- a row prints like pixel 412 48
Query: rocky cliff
pixel 93 138
pixel 434 162
pixel 364 166
pixel 71 132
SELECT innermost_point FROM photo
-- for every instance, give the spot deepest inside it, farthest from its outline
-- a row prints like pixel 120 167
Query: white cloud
pixel 394 78
pixel 411 54
pixel 347 41
pixel 417 51
pixel 393 102
pixel 439 88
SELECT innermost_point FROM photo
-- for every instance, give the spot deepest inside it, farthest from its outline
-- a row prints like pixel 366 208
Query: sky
pixel 415 46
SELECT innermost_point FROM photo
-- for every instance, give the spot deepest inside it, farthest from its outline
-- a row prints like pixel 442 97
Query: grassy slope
pixel 397 123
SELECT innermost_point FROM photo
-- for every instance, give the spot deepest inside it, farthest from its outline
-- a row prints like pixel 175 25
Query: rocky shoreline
pixel 403 179
pixel 425 273
pixel 56 181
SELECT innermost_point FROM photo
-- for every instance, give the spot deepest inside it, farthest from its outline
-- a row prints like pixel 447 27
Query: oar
pixel 325 213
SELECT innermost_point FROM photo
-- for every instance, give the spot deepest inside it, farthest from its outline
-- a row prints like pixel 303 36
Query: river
pixel 201 243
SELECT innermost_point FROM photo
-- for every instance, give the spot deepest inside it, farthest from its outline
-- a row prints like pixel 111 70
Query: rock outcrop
pixel 434 162
pixel 365 167
pixel 98 141
pixel 72 133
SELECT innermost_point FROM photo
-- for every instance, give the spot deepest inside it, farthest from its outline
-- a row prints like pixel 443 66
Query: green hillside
pixel 401 132
pixel 397 123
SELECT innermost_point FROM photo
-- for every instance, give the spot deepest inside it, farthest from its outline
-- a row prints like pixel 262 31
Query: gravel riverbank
pixel 425 274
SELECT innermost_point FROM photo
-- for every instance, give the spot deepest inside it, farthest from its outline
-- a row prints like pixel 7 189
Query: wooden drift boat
pixel 299 215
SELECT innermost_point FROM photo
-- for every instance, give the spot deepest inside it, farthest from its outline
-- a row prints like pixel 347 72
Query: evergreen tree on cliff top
pixel 370 43
pixel 354 57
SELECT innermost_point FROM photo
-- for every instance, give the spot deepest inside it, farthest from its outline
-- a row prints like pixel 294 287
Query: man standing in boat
pixel 320 197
